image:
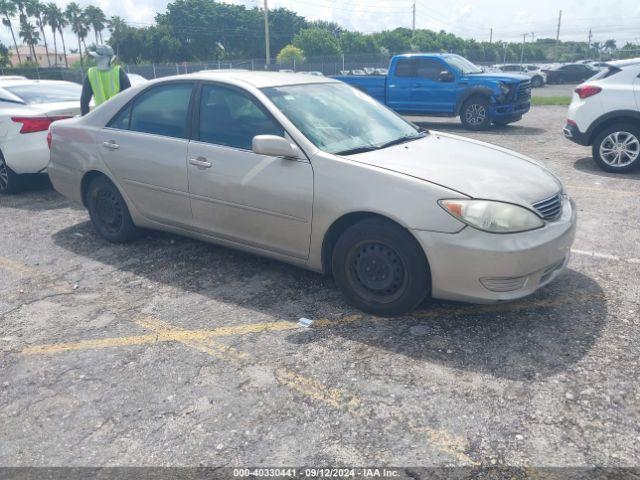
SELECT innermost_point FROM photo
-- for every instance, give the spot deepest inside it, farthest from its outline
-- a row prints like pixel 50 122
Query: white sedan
pixel 27 108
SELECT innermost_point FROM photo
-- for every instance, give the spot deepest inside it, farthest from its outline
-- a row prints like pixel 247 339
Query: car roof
pixel 625 63
pixel 256 79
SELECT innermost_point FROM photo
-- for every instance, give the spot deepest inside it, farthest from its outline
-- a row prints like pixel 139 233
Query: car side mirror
pixel 446 76
pixel 274 146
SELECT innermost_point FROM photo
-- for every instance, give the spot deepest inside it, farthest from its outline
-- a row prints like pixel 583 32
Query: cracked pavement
pixel 173 352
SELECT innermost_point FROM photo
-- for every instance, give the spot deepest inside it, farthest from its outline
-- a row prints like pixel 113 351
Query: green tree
pixel 30 36
pixel 356 42
pixel 290 54
pixel 35 9
pixel 51 15
pixel 7 10
pixel 4 56
pixel 74 16
pixel 97 19
pixel 315 42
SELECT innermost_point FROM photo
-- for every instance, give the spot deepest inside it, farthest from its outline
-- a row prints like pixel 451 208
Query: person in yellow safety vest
pixel 102 81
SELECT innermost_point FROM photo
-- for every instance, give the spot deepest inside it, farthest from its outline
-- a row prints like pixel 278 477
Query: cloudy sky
pixel 467 18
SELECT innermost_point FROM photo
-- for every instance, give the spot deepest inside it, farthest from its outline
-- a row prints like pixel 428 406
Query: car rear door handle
pixel 111 145
pixel 200 162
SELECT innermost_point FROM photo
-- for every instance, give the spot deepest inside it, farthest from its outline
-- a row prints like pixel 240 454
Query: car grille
pixel 523 94
pixel 550 208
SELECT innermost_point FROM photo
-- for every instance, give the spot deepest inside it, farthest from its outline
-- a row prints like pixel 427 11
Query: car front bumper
pixel 505 111
pixel 479 267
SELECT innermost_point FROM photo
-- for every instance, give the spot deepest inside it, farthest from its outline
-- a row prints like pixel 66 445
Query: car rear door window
pixel 232 118
pixel 161 110
pixel 405 67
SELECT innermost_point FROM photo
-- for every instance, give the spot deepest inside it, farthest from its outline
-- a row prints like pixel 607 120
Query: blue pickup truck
pixel 448 85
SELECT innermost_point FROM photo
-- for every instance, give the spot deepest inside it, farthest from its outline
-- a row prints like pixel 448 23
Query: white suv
pixel 537 76
pixel 605 113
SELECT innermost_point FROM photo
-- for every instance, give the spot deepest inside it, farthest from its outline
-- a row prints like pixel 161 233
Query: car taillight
pixel 587 91
pixel 572 123
pixel 36 124
pixel 49 138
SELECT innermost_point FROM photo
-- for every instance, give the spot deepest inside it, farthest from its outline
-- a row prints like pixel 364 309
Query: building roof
pixel 40 50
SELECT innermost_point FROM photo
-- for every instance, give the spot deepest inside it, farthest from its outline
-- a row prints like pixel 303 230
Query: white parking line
pixel 606 256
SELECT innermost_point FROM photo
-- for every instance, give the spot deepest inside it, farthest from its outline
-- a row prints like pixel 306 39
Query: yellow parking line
pixel 162 333
pixel 16 267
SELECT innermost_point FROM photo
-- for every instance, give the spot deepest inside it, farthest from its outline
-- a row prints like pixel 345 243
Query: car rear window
pixel 606 73
pixel 47 92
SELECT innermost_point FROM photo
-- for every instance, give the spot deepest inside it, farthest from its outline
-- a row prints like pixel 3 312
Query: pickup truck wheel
pixel 617 148
pixel 380 268
pixel 537 82
pixel 10 182
pixel 475 114
pixel 109 213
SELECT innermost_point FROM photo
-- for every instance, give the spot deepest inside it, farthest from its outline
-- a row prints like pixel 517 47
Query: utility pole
pixel 490 36
pixel 533 37
pixel 524 39
pixel 589 44
pixel 266 35
pixel 413 23
pixel 558 33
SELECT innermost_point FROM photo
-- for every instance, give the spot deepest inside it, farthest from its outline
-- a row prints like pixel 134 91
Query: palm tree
pixel 97 20
pixel 50 16
pixel 7 10
pixel 62 23
pixel 73 13
pixel 35 9
pixel 31 37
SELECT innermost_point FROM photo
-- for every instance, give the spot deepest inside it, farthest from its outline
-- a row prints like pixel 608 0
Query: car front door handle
pixel 200 162
pixel 111 145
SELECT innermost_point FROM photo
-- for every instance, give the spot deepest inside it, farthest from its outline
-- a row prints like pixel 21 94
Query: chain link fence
pixel 327 65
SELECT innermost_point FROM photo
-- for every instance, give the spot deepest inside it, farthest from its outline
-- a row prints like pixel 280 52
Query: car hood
pixel 500 77
pixel 475 169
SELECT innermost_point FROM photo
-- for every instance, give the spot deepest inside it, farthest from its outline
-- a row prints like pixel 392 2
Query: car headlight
pixel 491 216
pixel 505 89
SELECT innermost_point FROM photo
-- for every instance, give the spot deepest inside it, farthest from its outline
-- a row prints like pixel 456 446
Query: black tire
pixel 380 268
pixel 623 138
pixel 475 114
pixel 109 213
pixel 10 182
pixel 537 81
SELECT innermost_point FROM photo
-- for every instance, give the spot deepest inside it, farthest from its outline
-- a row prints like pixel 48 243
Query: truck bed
pixel 373 85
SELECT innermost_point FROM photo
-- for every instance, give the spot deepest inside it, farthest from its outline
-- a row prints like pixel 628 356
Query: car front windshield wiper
pixel 370 148
pixel 405 139
pixel 353 151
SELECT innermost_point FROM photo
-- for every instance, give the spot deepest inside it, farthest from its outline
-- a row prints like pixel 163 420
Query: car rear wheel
pixel 475 114
pixel 381 268
pixel 10 182
pixel 109 213
pixel 617 148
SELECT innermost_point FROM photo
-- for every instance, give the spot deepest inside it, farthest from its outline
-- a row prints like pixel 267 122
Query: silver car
pixel 311 171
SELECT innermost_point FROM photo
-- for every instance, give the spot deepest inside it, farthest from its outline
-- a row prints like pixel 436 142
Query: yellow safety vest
pixel 104 83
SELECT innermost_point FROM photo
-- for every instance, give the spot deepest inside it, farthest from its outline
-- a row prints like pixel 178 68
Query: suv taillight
pixel 36 124
pixel 587 91
pixel 49 138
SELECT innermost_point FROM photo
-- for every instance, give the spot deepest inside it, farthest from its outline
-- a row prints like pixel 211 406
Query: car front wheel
pixel 475 114
pixel 381 268
pixel 10 182
pixel 617 148
pixel 109 213
pixel 537 82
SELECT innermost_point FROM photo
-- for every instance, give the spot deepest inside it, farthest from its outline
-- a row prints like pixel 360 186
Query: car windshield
pixel 462 64
pixel 47 92
pixel 340 119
